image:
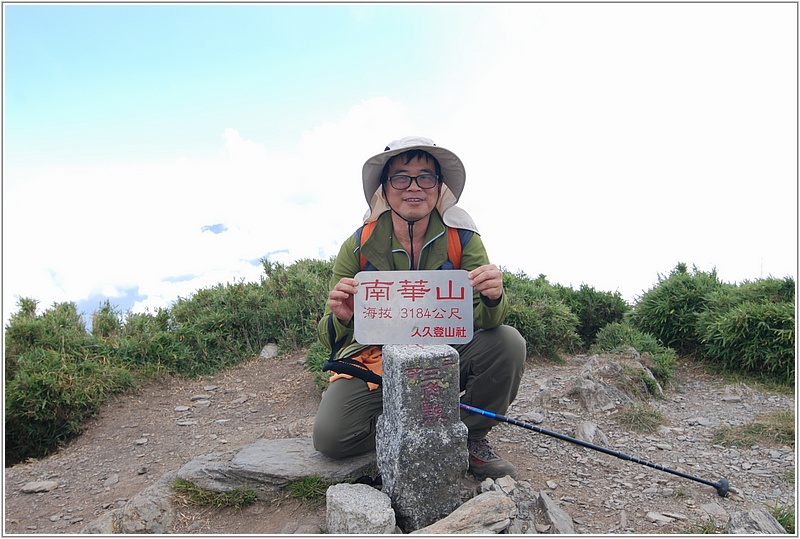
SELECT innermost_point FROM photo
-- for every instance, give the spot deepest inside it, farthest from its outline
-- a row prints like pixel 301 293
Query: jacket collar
pixel 378 247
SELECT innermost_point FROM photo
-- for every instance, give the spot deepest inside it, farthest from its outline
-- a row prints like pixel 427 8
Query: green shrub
pixel 769 290
pixel 57 373
pixel 594 309
pixel 106 322
pixel 298 295
pixel 56 376
pixel 23 332
pixel 670 311
pixel 750 328
pixel 547 325
pixel 51 395
pixel 619 336
pixel 223 324
pixel 219 326
pixel 147 343
pixel 57 328
pixel 752 337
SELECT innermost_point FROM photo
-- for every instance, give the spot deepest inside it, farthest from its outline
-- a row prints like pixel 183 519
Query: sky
pixel 153 150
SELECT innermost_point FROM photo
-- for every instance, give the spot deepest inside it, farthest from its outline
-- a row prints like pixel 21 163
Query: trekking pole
pixel 721 485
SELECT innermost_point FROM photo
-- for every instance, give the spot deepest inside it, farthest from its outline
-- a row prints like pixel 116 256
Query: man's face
pixel 412 203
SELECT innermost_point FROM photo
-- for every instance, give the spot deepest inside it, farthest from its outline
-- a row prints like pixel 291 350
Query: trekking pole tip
pixel 722 487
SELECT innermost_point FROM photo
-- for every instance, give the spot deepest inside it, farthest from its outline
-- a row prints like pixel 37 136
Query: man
pixel 412 189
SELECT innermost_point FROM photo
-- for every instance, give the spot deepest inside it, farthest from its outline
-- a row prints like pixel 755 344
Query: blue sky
pixel 164 80
pixel 152 150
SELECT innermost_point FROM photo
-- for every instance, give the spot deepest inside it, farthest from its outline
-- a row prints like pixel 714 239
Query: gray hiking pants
pixel 491 367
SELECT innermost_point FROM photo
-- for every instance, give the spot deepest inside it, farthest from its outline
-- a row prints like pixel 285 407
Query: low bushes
pixel 670 310
pixel 748 327
pixel 619 336
pixel 555 318
pixel 545 322
pixel 594 309
pixel 56 376
pixel 751 328
pixel 57 373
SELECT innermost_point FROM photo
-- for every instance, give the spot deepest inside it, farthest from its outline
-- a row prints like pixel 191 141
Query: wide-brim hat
pixel 453 179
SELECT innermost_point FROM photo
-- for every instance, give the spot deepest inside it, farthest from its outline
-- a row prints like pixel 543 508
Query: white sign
pixel 413 307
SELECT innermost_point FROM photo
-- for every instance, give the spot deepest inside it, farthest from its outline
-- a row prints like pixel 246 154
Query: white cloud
pixel 608 142
pixel 105 229
pixel 603 143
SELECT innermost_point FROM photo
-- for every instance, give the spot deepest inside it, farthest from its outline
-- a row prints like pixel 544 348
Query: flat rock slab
pixel 754 521
pixel 487 513
pixel 267 466
pixel 39 486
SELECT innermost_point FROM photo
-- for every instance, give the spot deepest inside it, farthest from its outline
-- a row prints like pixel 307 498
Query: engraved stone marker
pixel 421 441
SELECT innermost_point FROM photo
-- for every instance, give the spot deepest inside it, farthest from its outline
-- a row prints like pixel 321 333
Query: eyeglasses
pixel 424 181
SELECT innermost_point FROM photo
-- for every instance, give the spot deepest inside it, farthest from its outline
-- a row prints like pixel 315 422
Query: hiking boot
pixel 484 462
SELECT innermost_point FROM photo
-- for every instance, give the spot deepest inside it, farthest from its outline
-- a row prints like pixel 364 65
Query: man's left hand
pixel 488 280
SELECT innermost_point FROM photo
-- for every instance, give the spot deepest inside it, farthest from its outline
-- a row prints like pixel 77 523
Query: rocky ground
pixel 139 437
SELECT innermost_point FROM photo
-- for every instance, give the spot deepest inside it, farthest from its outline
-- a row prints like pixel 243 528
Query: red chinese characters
pixel 430 380
pixel 413 290
pixel 413 307
pixel 439 332
pixel 377 291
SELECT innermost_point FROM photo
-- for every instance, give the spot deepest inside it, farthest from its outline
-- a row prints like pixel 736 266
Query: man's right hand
pixel 340 299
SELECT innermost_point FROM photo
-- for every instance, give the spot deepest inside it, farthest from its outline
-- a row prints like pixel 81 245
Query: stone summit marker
pixel 421 441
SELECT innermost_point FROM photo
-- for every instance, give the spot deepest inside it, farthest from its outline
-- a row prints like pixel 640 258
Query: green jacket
pixel 384 252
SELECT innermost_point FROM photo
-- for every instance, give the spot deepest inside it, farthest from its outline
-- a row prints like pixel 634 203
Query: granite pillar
pixel 421 441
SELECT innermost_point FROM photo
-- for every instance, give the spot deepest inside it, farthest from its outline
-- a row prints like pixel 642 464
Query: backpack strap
pixel 366 230
pixel 335 345
pixel 454 243
pixel 454 247
pixel 346 365
pixel 353 367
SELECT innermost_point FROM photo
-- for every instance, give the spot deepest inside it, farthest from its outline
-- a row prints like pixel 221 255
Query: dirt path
pixel 139 437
